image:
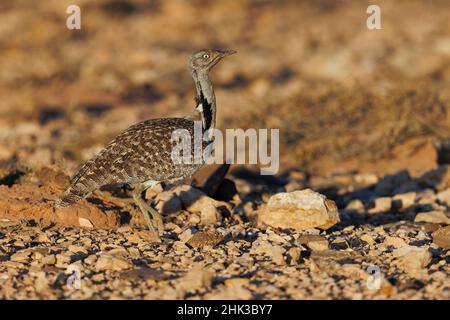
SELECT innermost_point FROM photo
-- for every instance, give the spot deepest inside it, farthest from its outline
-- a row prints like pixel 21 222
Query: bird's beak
pixel 220 55
pixel 228 53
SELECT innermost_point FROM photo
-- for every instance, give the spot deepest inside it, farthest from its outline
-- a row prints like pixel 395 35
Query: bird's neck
pixel 205 99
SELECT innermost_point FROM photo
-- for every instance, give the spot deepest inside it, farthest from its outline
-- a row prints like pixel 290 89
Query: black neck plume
pixel 205 99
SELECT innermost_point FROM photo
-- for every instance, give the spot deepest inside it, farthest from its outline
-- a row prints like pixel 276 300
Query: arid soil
pixel 363 118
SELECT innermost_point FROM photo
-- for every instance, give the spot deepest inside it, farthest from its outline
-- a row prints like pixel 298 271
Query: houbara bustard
pixel 141 155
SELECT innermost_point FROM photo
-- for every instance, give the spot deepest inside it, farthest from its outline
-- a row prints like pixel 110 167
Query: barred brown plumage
pixel 141 155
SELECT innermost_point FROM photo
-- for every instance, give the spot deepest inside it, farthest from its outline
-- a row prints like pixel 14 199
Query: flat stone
pixel 432 217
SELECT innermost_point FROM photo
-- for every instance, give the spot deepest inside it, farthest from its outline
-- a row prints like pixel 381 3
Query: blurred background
pixel 345 98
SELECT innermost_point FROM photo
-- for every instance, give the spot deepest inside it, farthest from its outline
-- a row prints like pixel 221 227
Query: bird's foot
pixel 156 219
pixel 154 232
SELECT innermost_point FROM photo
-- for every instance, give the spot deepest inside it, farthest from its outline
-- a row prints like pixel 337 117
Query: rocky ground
pixel 363 186
pixel 292 245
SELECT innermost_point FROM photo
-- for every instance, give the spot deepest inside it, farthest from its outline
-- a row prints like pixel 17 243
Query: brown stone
pixel 202 239
pixel 441 237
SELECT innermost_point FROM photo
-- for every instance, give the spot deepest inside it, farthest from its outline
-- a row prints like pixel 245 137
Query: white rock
pixel 299 210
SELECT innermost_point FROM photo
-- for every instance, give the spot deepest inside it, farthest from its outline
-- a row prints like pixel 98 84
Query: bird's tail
pixel 68 198
pixel 82 185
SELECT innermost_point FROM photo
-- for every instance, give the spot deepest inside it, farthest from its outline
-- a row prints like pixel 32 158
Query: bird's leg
pixel 156 216
pixel 157 219
pixel 143 206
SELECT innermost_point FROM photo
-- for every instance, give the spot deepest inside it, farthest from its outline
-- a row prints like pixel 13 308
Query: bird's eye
pixel 205 56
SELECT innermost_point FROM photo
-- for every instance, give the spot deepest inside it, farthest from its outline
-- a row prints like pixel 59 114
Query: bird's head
pixel 204 60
